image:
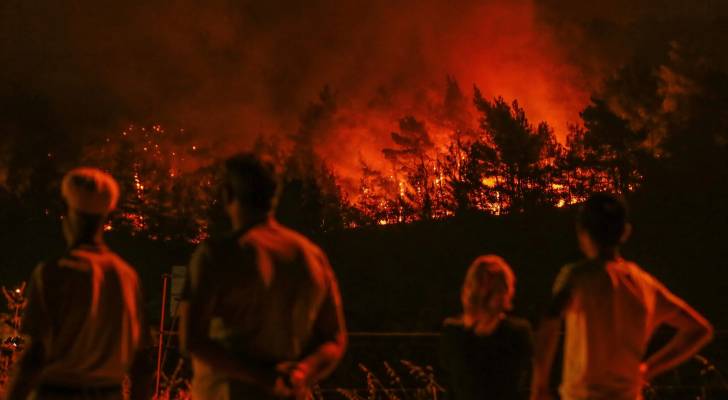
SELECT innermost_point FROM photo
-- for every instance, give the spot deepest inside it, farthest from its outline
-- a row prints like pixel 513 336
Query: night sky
pixel 230 71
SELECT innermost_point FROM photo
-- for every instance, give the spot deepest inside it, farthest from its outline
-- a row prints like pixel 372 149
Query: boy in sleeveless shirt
pixel 611 308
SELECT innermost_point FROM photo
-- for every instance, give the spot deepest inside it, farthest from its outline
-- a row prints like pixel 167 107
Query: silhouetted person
pixel 611 308
pixel 486 354
pixel 84 313
pixel 261 312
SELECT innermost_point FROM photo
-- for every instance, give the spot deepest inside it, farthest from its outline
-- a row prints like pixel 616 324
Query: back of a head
pixel 90 191
pixel 91 194
pixel 604 217
pixel 487 276
pixel 253 181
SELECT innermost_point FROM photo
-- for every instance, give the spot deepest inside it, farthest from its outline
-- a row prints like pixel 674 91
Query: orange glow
pixel 489 181
pixel 159 174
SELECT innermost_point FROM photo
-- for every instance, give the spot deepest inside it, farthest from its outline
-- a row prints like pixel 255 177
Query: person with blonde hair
pixel 486 353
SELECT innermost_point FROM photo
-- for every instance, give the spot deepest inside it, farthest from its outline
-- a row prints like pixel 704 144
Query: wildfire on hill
pixel 503 165
pixel 165 178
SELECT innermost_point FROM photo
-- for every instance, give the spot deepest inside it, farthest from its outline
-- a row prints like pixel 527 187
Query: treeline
pixel 657 127
pixel 497 163
pixel 504 164
pixel 658 130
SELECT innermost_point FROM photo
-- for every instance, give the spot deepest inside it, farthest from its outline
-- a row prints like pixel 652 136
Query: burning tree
pixel 442 162
pixel 524 153
pixel 380 199
pixel 506 165
pixel 412 167
pixel 311 199
pixel 166 182
pixel 607 151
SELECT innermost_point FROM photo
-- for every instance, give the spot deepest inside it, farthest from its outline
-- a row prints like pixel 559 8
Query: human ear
pixel 626 234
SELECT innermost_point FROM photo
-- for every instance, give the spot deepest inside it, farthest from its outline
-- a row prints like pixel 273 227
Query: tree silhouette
pixel 413 166
pixel 522 150
pixel 611 148
pixel 311 199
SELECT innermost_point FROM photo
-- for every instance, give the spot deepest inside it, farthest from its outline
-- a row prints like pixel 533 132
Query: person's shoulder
pixel 582 266
pixel 57 263
pixel 453 322
pixel 296 239
pixel 123 268
pixel 517 324
pixel 575 270
pixel 58 269
pixel 47 264
pixel 217 245
pixel 519 328
pixel 637 273
pixel 453 326
pixel 294 235
pixel 216 241
pixel 44 268
pixel 568 274
pixel 632 267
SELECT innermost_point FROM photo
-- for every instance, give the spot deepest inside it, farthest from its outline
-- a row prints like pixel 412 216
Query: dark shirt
pixel 85 310
pixel 494 367
pixel 269 295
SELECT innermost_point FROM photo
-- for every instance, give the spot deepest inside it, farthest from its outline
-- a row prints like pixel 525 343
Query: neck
pixel 609 254
pixel 95 240
pixel 244 220
pixel 485 324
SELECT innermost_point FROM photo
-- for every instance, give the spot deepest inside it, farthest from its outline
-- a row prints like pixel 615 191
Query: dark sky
pixel 232 69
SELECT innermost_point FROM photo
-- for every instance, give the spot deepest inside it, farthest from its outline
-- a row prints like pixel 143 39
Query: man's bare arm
pixel 330 330
pixel 546 342
pixel 321 363
pixel 693 332
pixel 26 373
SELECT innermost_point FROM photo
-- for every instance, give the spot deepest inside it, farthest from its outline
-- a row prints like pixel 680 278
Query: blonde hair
pixel 482 278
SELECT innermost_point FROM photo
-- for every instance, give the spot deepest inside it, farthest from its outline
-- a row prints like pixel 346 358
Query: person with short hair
pixel 261 310
pixel 611 308
pixel 485 353
pixel 84 314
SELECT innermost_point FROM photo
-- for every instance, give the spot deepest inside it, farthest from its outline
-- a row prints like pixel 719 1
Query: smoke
pixel 602 38
pixel 236 69
pixel 230 71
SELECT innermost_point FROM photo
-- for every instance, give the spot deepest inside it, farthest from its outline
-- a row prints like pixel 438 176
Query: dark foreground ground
pixel 406 279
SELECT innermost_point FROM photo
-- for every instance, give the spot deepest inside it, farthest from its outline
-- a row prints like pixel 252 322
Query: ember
pixel 434 168
pixel 166 182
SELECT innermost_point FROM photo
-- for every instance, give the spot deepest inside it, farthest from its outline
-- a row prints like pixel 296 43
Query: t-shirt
pixel 611 310
pixel 272 297
pixel 85 309
pixel 480 367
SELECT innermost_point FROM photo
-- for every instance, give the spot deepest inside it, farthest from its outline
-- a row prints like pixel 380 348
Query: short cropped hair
pixel 252 180
pixel 604 217
pixel 482 277
pixel 90 191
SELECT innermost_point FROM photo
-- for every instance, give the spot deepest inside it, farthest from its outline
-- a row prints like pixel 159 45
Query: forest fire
pixel 413 138
pixel 165 181
pixel 393 137
pixel 499 164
